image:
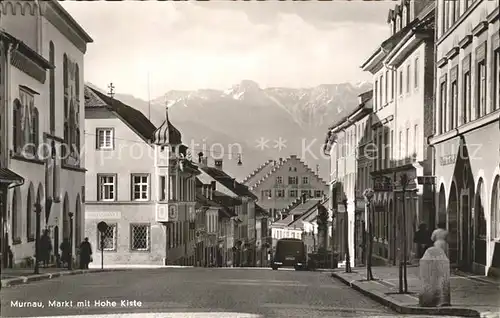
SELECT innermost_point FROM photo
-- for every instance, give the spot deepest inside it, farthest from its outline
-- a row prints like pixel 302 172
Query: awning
pixel 8 176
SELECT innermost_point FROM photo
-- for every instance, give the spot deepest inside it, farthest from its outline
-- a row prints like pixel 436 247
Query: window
pixel 105 138
pixel 407 148
pixel 293 193
pixel 107 187
pixel 442 108
pixel 392 149
pixel 386 149
pixel 401 152
pixel 383 94
pixel 25 124
pixel 140 187
pixel 400 82
pixel 52 88
pixel 375 94
pixel 318 193
pixel 163 188
pixel 30 220
pixel 139 236
pixel 415 142
pixel 279 180
pixel 380 154
pixel 481 89
pixel 307 193
pixel 108 238
pixel 457 10
pixel 293 180
pixel 280 193
pixel 453 104
pixel 305 180
pixel 408 78
pixel 466 105
pixel 496 80
pixel 386 94
pixel 416 74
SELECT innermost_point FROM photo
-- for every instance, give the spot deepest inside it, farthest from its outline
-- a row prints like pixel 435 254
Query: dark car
pixel 290 253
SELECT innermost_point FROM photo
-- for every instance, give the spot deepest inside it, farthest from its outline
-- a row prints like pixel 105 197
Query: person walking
pixel 85 254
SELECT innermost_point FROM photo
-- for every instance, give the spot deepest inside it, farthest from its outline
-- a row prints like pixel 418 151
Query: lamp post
pixel 38 211
pixel 368 194
pixel 403 281
pixel 70 262
pixel 346 240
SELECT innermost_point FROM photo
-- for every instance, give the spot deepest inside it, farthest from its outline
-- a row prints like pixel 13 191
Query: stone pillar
pixel 435 278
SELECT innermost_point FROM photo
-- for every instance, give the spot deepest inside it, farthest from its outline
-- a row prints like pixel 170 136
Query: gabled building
pixel 144 187
pixel 277 183
pixel 42 52
pixel 245 211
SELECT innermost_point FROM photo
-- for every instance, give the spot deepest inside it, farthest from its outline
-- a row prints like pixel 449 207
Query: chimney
pixel 218 164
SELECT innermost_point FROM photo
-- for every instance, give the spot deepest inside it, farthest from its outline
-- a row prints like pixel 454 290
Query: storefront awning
pixel 8 176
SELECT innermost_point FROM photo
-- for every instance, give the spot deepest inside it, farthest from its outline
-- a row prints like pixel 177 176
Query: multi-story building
pixel 42 122
pixel 277 183
pixel 348 146
pixel 245 209
pixel 402 68
pixel 148 206
pixel 466 135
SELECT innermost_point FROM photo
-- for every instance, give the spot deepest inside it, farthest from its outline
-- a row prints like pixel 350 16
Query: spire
pixel 167 133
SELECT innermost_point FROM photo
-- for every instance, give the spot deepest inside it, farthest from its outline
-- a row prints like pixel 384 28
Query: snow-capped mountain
pixel 245 113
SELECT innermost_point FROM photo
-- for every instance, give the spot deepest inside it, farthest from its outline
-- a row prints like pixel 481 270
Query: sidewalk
pixel 17 276
pixel 471 296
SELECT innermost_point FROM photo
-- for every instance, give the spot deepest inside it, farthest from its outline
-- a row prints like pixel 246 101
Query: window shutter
pixel 96 138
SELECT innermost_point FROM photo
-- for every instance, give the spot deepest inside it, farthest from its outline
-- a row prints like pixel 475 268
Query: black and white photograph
pixel 250 159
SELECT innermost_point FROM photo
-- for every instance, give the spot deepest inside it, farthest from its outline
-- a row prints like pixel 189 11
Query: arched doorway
pixel 453 226
pixel 30 214
pixel 66 230
pixel 479 228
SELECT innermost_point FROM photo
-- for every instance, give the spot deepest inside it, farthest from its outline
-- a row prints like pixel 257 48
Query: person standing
pixel 423 239
pixel 65 252
pixel 85 254
pixel 45 248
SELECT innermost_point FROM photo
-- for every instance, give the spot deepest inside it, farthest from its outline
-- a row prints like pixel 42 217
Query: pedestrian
pixel 45 248
pixel 440 237
pixel 85 254
pixel 65 252
pixel 11 257
pixel 422 238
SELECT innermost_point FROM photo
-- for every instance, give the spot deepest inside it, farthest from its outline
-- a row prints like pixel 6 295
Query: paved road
pixel 181 290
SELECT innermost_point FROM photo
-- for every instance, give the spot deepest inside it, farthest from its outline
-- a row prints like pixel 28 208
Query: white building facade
pixel 43 145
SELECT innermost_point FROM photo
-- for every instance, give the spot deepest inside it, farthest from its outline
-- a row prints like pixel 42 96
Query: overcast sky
pixel 192 45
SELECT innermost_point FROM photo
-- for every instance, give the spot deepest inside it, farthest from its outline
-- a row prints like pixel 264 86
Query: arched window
pixel 52 88
pixel 16 123
pixel 30 235
pixel 35 128
pixel 495 210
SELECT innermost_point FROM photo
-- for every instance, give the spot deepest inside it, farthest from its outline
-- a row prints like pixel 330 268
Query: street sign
pixel 426 180
pixel 102 226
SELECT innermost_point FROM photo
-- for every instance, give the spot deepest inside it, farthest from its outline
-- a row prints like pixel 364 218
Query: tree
pixel 368 194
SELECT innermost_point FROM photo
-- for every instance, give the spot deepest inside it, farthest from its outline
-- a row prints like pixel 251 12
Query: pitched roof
pixel 227 181
pixel 134 118
pixel 311 212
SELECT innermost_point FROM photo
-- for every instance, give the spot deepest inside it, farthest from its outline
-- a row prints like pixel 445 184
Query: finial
pixel 111 91
pixel 166 106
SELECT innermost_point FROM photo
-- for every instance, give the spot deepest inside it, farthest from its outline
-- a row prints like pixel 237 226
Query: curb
pixel 410 310
pixel 34 278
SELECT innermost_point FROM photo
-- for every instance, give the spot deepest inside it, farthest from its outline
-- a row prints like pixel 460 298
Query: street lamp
pixel 70 265
pixel 368 194
pixel 346 241
pixel 38 211
pixel 403 281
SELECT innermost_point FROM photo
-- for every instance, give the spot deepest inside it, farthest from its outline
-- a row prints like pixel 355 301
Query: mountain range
pixel 256 123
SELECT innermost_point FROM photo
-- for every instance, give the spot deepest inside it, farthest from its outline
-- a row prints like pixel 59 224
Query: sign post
pixel 102 227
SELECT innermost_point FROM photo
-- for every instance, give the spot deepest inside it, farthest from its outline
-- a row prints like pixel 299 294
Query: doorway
pixel 453 225
pixel 465 229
